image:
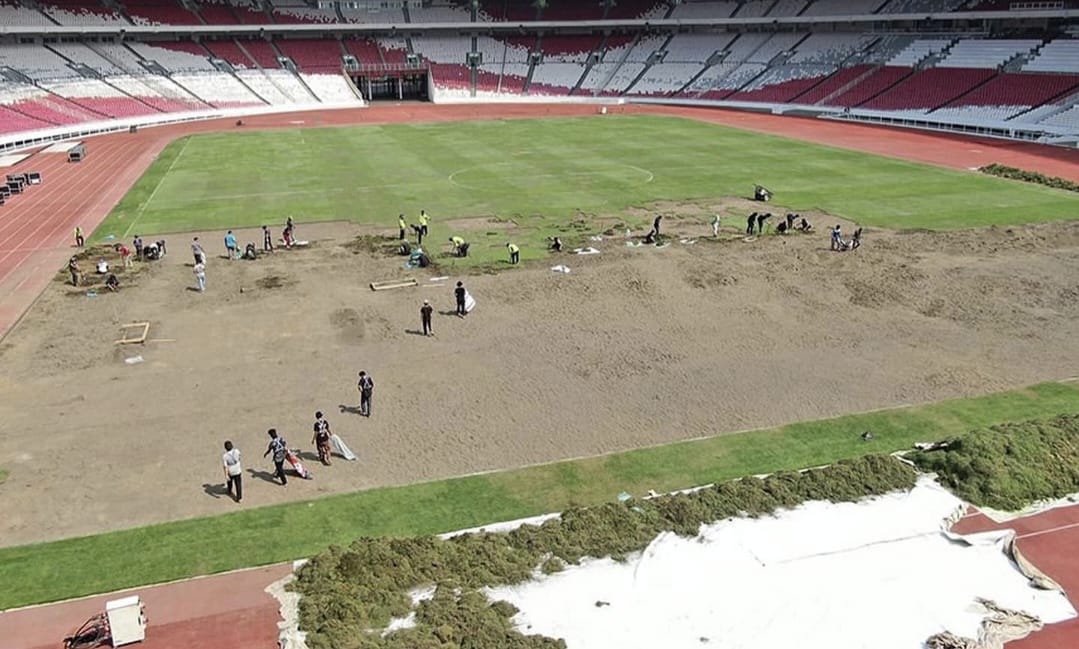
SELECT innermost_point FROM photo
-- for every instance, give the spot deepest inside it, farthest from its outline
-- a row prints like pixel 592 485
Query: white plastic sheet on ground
pixel 877 574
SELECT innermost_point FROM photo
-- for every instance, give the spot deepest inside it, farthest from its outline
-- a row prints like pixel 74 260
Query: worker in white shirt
pixel 233 471
pixel 200 276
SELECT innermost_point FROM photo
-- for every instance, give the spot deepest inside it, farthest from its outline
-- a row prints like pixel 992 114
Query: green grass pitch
pixel 539 173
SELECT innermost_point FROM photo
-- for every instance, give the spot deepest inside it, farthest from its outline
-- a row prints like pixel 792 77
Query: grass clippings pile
pixel 1015 173
pixel 1009 466
pixel 350 594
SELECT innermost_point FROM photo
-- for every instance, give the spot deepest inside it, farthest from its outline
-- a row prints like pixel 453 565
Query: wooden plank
pixel 140 338
pixel 385 286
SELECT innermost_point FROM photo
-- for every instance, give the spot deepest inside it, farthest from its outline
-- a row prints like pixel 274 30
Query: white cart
pixel 127 622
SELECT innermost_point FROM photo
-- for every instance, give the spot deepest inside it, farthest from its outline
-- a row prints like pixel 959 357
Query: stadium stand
pixel 866 87
pixel 35 61
pixel 688 10
pixel 833 85
pixel 158 92
pixel 369 15
pixel 312 55
pixel 160 12
pixel 919 6
pixel 393 50
pixel 842 7
pixel 175 56
pixel 220 89
pixel 929 89
pixel 298 12
pixel 948 77
pixel 621 66
pixel 637 10
pixel 439 13
pixel 1057 56
pixel 261 53
pixel 12 121
pixel 564 63
pixel 1067 119
pixel 687 56
pixel 13 14
pixel 447 57
pixel 330 88
pixel 363 50
pixel 99 97
pixel 508 10
pixel 572 11
pixel 230 52
pixel 80 54
pixel 985 53
pixel 79 12
pixel 1010 94
pixel 32 102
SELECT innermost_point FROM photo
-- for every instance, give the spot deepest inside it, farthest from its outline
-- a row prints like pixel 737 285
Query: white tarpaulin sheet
pixel 877 574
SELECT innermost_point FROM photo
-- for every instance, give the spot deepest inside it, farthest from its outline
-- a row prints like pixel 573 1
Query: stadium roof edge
pixel 665 24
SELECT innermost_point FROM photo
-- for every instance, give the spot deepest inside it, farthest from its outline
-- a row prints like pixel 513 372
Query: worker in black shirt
pixel 425 318
pixel 655 224
pixel 760 222
pixel 278 446
pixel 321 439
pixel 366 386
pixel 459 294
pixel 751 222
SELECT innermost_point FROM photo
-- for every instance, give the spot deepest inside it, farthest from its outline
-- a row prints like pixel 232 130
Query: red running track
pixel 1049 540
pixel 229 611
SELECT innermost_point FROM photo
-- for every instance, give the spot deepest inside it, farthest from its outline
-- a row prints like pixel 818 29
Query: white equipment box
pixel 126 620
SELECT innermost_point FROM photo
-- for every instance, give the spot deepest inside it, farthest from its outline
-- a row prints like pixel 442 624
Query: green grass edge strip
pixel 76 567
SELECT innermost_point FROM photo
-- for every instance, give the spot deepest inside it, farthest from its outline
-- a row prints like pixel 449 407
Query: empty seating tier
pixel 927 89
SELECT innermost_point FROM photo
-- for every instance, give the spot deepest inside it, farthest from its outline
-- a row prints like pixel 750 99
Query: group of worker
pixel 756 222
pixel 149 252
pixel 458 246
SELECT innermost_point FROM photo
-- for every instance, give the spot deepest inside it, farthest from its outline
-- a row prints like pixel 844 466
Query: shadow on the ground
pixel 265 476
pixel 215 490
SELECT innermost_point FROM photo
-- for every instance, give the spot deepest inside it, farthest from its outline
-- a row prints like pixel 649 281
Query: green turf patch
pixel 1010 466
pixel 493 182
pixel 349 590
pixel 128 558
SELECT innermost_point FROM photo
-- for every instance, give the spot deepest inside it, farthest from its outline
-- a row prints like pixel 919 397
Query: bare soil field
pixel 635 346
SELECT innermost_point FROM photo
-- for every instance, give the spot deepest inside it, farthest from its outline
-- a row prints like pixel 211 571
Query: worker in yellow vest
pixel 515 253
pixel 424 222
pixel 79 240
pixel 402 226
pixel 458 246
